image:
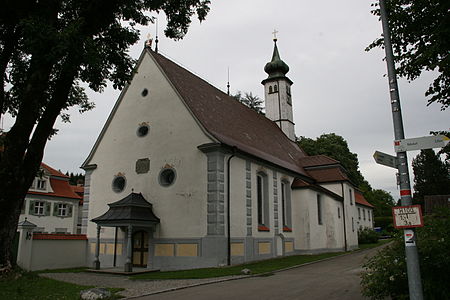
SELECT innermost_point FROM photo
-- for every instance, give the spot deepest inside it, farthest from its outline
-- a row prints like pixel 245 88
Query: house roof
pixel 60 185
pixel 317 160
pixel 53 172
pixel 359 199
pixel 330 174
pixel 61 188
pixel 231 122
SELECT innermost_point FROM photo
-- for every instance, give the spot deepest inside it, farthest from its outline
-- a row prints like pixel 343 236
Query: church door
pixel 140 249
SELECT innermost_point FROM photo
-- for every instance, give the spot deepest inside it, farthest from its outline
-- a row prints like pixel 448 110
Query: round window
pixel 142 130
pixel 167 177
pixel 144 92
pixel 118 184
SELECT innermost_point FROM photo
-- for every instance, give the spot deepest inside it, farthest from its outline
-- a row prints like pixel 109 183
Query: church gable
pixel 149 109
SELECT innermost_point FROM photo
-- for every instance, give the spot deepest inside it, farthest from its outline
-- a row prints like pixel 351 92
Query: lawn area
pixel 29 286
pixel 259 267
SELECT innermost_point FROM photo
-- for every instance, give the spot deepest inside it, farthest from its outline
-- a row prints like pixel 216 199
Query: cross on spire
pixel 275 35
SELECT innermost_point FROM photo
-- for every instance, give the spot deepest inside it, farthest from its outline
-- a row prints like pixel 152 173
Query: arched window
pixel 286 210
pixel 262 195
pixel 270 89
pixel 275 88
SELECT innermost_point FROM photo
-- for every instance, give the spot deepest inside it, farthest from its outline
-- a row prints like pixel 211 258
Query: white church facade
pixel 184 176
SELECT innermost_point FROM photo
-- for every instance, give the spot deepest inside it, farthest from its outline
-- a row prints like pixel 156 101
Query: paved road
pixel 337 278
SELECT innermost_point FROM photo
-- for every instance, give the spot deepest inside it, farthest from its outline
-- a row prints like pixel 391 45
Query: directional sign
pixel 426 142
pixel 407 216
pixel 385 159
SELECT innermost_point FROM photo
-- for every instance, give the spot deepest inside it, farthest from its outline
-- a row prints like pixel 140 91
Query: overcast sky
pixel 338 87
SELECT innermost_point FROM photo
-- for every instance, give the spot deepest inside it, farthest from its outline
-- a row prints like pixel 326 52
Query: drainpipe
pixel 228 208
pixel 343 216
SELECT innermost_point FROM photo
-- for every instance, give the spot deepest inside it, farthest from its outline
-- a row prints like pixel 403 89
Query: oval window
pixel 118 184
pixel 142 130
pixel 167 177
pixel 144 92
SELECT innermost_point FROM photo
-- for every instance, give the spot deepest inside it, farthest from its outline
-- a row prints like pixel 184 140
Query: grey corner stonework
pixel 216 193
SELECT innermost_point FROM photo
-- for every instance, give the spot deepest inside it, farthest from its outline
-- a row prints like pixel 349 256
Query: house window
pixel 359 213
pixel 351 196
pixel 353 224
pixel 319 210
pixel 368 214
pixel 62 209
pixel 364 214
pixel 40 185
pixel 263 201
pixel 39 208
pixel 339 212
pixel 286 206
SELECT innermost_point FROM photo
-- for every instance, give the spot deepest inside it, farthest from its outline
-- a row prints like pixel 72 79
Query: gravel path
pixel 133 288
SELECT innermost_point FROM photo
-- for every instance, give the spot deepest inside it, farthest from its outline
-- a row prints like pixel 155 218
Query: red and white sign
pixel 407 216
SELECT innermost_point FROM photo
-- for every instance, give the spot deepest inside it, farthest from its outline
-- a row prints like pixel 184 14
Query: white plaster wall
pixel 272 106
pixel 238 201
pixel 51 222
pixel 57 254
pixel 309 234
pixel 172 140
pixel 301 219
pixel 365 222
pixel 351 215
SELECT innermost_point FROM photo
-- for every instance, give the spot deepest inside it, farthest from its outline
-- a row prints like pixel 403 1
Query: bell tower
pixel 277 93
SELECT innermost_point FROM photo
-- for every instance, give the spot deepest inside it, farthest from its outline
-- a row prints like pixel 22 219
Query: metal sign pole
pixel 412 257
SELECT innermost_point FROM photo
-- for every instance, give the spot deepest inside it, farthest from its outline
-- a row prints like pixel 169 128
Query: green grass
pixel 29 286
pixel 260 267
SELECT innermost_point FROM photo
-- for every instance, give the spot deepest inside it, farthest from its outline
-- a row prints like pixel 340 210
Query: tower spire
pixel 278 92
pixel 156 39
pixel 228 83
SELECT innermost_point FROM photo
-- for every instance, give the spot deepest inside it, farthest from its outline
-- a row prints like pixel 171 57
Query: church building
pixel 184 176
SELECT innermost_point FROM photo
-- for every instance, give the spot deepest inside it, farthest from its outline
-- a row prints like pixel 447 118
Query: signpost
pixel 425 142
pixel 412 255
pixel 409 216
pixel 385 159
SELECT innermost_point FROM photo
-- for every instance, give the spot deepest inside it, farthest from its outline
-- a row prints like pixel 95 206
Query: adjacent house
pixel 184 176
pixel 365 211
pixel 51 203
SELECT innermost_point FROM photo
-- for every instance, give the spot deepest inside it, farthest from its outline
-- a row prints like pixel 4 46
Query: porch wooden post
pixel 97 250
pixel 128 263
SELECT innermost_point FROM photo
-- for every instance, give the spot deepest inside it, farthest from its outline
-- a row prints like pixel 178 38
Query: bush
pixel 367 236
pixel 385 273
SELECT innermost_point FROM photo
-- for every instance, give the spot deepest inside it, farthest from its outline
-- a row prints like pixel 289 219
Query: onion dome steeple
pixel 276 67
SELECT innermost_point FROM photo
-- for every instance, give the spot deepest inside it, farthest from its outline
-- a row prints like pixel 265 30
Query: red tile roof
pixel 61 188
pixel 359 198
pixel 332 174
pixel 58 236
pixel 52 171
pixel 231 122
